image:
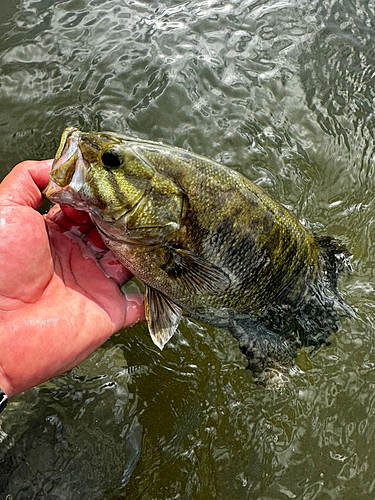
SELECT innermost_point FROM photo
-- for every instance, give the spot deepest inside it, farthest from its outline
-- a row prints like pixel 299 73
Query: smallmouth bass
pixel 204 240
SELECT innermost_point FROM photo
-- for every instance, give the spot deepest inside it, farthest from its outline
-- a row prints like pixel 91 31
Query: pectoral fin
pixel 163 316
pixel 197 274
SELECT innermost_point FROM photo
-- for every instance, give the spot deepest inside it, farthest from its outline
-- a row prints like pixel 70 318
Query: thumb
pixel 23 184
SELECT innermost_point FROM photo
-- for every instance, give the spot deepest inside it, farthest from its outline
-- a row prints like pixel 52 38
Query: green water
pixel 284 91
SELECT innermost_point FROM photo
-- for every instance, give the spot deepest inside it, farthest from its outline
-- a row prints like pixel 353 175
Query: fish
pixel 205 241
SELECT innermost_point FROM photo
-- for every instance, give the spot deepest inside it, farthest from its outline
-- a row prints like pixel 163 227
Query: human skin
pixel 59 285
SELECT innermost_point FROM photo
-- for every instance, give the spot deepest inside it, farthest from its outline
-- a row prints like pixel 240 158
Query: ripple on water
pixel 76 436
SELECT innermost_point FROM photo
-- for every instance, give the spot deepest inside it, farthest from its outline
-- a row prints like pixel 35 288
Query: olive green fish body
pixel 260 248
pixel 204 239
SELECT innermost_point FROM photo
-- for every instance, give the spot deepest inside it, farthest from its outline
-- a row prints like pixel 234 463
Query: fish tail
pixel 262 347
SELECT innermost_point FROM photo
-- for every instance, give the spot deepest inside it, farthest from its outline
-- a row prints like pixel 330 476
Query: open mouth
pixel 68 173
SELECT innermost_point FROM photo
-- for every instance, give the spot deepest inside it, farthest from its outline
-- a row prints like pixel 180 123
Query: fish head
pixel 94 172
pixel 102 174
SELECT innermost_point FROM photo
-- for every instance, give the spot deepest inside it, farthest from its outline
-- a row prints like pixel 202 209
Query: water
pixel 282 91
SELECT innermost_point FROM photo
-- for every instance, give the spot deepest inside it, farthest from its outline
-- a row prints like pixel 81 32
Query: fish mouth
pixel 68 173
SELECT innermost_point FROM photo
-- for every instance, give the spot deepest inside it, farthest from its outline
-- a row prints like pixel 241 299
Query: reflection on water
pixel 283 91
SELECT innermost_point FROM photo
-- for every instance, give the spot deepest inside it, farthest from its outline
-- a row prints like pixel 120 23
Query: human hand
pixel 59 285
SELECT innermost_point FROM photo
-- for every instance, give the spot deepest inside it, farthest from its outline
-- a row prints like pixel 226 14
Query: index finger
pixel 69 218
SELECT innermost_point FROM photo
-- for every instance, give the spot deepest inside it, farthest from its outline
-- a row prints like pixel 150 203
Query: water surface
pixel 284 92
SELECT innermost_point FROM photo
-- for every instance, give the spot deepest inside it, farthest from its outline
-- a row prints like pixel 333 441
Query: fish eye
pixel 112 159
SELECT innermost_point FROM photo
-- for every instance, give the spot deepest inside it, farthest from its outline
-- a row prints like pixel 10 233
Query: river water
pixel 282 90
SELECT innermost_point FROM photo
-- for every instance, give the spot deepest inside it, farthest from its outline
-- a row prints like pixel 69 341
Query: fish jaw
pixel 69 169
